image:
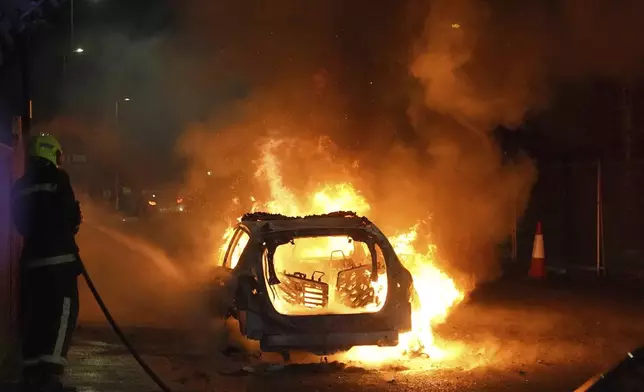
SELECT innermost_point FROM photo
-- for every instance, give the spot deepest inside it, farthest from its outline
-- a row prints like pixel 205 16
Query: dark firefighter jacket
pixel 46 214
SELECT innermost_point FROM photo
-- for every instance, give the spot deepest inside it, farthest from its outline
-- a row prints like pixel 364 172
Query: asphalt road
pixel 515 335
pixel 552 341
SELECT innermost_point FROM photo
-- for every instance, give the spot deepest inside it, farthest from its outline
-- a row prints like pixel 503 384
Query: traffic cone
pixel 538 265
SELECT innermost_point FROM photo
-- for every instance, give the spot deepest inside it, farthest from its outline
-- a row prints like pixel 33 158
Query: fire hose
pixel 146 368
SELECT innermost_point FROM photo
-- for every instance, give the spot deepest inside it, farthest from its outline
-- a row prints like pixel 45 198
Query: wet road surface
pixel 541 338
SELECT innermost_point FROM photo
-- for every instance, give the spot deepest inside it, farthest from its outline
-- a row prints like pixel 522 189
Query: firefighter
pixel 47 215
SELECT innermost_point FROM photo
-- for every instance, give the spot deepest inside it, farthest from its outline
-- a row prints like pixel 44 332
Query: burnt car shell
pixel 321 333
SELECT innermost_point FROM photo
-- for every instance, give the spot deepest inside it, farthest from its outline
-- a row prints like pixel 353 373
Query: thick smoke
pixel 420 127
pixel 482 65
pixel 399 98
pixel 472 80
pixel 431 167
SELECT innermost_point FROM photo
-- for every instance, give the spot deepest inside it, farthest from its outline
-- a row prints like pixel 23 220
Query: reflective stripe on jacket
pixel 54 260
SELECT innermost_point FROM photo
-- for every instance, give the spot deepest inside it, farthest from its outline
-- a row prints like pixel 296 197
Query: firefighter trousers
pixel 48 314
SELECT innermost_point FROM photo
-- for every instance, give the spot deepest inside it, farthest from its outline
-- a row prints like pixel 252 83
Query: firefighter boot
pixel 52 383
pixel 31 377
pixel 42 379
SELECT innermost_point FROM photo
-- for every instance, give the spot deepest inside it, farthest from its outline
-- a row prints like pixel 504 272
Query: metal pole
pixel 116 190
pixel 116 172
pixel 599 218
pixel 515 250
pixel 71 25
pixel 629 240
pixel 71 39
pixel 601 221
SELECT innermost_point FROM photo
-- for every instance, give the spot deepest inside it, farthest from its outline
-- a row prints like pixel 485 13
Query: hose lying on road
pixel 120 333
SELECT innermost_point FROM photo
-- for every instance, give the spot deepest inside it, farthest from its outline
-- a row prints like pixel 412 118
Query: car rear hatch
pixel 327 333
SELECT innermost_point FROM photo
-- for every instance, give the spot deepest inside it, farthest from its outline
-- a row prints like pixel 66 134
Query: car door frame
pixel 221 284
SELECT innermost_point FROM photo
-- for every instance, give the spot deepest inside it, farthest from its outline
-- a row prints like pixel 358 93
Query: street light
pixel 116 108
pixel 72 40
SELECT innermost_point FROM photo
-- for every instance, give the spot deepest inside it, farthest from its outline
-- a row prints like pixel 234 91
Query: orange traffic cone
pixel 538 265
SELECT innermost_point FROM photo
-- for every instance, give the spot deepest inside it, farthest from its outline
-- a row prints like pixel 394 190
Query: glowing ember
pixel 435 292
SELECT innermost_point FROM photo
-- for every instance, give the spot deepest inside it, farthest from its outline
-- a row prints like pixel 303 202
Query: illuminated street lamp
pixel 72 41
pixel 116 108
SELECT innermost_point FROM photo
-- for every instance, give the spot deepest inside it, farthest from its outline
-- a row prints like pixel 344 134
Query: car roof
pixel 276 222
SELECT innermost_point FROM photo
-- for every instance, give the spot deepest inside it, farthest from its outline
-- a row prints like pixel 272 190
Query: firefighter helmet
pixel 46 146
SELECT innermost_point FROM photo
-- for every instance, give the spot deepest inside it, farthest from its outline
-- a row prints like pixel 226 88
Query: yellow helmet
pixel 46 146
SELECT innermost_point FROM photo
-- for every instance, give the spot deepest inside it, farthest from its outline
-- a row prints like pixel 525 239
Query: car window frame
pixel 239 231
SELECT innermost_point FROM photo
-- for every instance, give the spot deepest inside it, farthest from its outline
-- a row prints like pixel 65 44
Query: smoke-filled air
pixel 427 171
pixel 421 153
pixel 388 111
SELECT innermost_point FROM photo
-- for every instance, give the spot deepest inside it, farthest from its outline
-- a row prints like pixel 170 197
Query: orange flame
pixel 435 292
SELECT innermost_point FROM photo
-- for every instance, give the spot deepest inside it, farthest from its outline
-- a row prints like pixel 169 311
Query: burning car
pixel 321 283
